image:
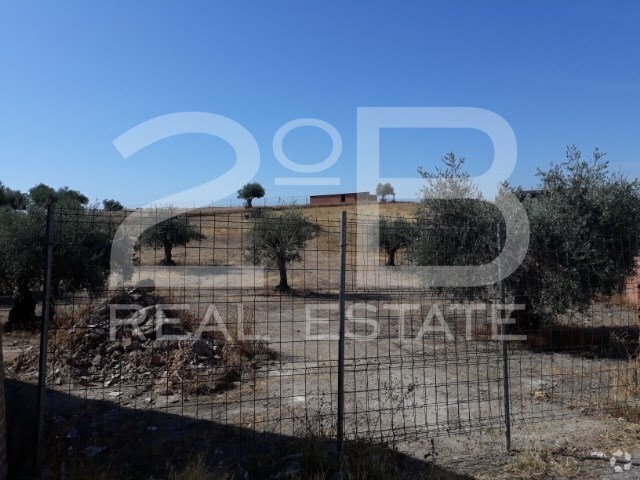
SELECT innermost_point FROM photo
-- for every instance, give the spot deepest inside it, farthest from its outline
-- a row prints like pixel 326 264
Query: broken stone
pixel 115 347
pixel 133 346
pixel 143 315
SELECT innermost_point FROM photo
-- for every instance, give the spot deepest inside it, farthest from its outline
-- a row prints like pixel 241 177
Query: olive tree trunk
pixel 167 254
pixel 283 286
pixel 23 312
pixel 391 257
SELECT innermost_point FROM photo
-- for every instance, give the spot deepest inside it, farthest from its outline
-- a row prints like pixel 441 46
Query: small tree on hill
pixel 251 191
pixel 276 240
pixel 112 205
pixel 394 234
pixel 383 190
pixel 173 232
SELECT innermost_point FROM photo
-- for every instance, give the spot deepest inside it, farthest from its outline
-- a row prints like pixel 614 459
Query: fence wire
pixel 199 346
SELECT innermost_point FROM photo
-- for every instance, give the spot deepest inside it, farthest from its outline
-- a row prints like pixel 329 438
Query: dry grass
pixel 226 233
pixel 226 228
pixel 535 463
pixel 332 212
pixel 625 382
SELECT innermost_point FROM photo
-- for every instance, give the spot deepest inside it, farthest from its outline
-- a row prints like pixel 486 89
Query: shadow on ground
pixel 102 439
pixel 619 342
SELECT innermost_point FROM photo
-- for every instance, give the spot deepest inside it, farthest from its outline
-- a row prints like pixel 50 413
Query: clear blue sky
pixel 75 75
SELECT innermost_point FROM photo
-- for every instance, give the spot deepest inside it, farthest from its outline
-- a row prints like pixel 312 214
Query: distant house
pixel 342 198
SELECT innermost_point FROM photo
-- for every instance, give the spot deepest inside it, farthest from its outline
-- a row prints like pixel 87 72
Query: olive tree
pixel 393 235
pixel 277 239
pixel 454 223
pixel 112 205
pixel 584 221
pixel 80 260
pixel 383 190
pixel 68 198
pixel 12 198
pixel 250 191
pixel 21 261
pixel 42 194
pixel 176 231
pixel 65 197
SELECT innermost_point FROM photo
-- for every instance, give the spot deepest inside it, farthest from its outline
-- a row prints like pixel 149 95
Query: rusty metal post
pixel 343 262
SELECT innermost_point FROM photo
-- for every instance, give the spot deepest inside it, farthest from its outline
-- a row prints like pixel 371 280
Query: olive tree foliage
pixel 584 222
pixel 64 197
pixel 277 239
pixel 250 191
pixel 13 198
pixel 42 194
pixel 394 234
pixel 585 226
pixel 176 231
pixel 454 224
pixel 21 261
pixel 112 205
pixel 383 190
pixel 80 261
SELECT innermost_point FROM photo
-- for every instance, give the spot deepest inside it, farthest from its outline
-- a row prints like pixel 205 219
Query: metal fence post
pixel 503 345
pixel 343 265
pixel 44 333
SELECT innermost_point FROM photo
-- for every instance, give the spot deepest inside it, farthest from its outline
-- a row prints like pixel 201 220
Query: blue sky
pixel 76 75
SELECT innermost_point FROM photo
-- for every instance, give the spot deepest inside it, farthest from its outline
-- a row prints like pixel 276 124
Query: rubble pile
pixel 93 350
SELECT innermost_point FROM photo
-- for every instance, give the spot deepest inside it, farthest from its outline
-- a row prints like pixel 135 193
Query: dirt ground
pixel 399 390
pixel 432 392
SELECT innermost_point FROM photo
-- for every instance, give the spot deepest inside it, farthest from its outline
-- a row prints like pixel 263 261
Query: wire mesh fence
pixel 219 324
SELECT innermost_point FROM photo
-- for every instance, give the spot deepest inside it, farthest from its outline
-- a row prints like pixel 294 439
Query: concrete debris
pixel 90 353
